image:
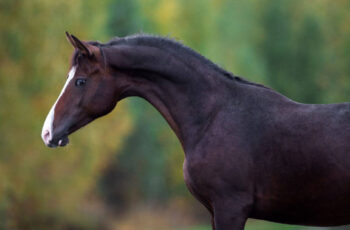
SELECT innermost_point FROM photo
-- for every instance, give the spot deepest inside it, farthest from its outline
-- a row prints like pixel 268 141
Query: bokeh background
pixel 124 171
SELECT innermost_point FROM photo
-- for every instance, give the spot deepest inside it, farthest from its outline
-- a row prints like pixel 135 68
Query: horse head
pixel 87 94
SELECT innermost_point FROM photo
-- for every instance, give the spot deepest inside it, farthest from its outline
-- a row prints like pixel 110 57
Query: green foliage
pixel 41 188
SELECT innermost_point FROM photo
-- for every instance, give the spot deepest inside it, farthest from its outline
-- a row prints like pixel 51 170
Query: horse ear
pixel 70 39
pixel 84 47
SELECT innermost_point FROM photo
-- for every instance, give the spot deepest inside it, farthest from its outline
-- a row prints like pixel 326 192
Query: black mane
pixel 166 43
pixel 171 44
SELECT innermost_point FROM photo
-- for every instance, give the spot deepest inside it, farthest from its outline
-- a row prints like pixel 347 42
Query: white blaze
pixel 46 133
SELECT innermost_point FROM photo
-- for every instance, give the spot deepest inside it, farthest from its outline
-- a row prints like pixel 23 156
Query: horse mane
pixel 168 43
pixel 245 81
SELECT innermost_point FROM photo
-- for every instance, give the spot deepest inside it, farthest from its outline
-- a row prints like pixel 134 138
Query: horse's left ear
pixel 84 47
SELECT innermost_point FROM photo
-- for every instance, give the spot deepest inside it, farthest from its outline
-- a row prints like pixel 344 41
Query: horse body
pixel 249 151
pixel 305 180
pixel 288 161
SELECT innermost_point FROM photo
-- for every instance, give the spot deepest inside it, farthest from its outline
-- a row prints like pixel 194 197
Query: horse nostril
pixel 46 136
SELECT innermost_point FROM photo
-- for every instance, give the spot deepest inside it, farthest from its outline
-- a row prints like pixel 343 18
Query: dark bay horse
pixel 250 152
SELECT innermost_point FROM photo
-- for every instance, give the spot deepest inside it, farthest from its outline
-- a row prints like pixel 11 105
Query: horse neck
pixel 183 91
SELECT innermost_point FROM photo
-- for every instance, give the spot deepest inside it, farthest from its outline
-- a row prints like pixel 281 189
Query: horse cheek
pixel 102 104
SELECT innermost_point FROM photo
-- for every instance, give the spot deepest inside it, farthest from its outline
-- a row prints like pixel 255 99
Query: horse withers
pixel 250 152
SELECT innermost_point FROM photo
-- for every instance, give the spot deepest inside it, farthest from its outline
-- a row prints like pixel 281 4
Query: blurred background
pixel 124 171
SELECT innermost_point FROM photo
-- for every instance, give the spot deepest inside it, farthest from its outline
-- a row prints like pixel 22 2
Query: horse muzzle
pixel 53 142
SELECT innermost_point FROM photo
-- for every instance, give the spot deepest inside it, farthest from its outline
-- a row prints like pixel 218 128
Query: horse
pixel 250 152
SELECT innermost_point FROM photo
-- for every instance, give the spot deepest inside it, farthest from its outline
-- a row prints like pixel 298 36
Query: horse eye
pixel 80 82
